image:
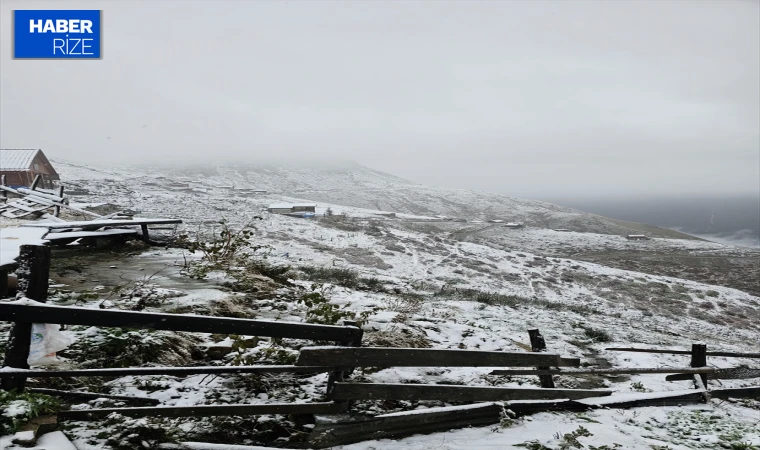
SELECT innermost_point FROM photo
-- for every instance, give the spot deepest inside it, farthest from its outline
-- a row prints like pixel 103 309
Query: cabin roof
pixel 291 205
pixel 17 158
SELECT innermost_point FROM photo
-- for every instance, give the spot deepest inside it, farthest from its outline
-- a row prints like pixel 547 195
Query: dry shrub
pixel 397 337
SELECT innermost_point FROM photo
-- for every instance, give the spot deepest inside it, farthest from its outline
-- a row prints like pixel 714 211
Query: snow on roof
pixel 290 205
pixel 17 158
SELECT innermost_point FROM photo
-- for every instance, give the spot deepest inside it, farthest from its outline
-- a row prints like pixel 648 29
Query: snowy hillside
pixel 354 185
pixel 414 280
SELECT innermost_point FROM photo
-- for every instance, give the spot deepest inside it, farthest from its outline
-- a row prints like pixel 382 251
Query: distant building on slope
pixel 21 165
pixel 637 237
pixel 290 208
pixel 514 225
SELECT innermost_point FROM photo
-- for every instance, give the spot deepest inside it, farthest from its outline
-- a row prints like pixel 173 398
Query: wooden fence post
pixel 538 344
pixel 699 359
pixel 3 194
pixel 3 283
pixel 33 272
pixel 339 376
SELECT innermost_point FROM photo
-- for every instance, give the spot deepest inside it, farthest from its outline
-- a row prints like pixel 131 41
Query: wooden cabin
pixel 21 165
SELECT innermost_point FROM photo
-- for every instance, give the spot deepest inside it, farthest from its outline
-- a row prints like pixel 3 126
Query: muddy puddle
pixel 85 269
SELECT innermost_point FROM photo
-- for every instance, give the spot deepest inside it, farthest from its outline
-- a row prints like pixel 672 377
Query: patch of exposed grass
pixel 335 275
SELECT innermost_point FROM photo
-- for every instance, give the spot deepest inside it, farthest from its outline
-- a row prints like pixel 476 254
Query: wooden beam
pixel 453 393
pixel 71 315
pixel 747 392
pixel 328 435
pixel 419 357
pixel 87 396
pixel 33 273
pixel 684 370
pixel 684 352
pixel 172 371
pixel 736 373
pixel 204 410
pixel 35 182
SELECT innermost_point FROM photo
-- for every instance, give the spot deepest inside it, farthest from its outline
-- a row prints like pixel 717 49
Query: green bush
pixel 19 408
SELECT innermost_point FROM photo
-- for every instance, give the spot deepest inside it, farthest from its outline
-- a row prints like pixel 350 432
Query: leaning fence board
pixel 419 357
pixel 174 371
pixel 621 371
pixel 633 400
pixel 204 410
pixel 33 312
pixel 736 373
pixel 453 393
pixel 746 392
pixel 326 435
pixel 684 352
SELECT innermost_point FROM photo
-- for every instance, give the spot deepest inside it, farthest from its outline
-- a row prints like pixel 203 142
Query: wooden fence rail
pixel 453 393
pixel 40 313
pixel 684 352
pixel 173 371
pixel 424 357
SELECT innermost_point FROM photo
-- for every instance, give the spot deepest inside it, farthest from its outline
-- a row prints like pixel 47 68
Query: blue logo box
pixel 56 34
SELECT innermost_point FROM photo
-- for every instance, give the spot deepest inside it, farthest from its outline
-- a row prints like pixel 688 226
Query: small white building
pixel 637 237
pixel 514 225
pixel 288 208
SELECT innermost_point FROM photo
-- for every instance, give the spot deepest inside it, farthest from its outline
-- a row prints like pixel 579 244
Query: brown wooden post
pixel 538 344
pixel 3 283
pixel 58 208
pixel 3 194
pixel 699 359
pixel 145 235
pixel 339 376
pixel 33 272
pixel 35 182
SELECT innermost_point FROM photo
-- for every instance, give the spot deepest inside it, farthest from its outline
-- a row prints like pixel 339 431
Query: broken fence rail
pixel 684 352
pixel 734 373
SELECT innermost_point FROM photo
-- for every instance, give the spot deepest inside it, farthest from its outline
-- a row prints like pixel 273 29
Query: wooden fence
pixel 339 362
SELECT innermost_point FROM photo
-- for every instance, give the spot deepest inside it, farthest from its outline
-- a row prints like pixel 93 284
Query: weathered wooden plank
pixel 419 357
pixel 646 399
pixel 82 234
pixel 94 395
pixel 453 393
pixel 684 352
pixel 746 392
pixel 688 371
pixel 100 223
pixel 41 313
pixel 326 435
pixel 736 373
pixel 174 371
pixel 204 410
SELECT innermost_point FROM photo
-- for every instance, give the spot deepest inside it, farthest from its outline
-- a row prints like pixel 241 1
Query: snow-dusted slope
pixel 354 185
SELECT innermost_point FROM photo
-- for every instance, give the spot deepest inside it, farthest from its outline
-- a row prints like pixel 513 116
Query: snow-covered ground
pixel 445 285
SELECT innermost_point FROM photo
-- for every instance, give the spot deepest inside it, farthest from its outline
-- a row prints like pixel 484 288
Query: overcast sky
pixel 535 98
